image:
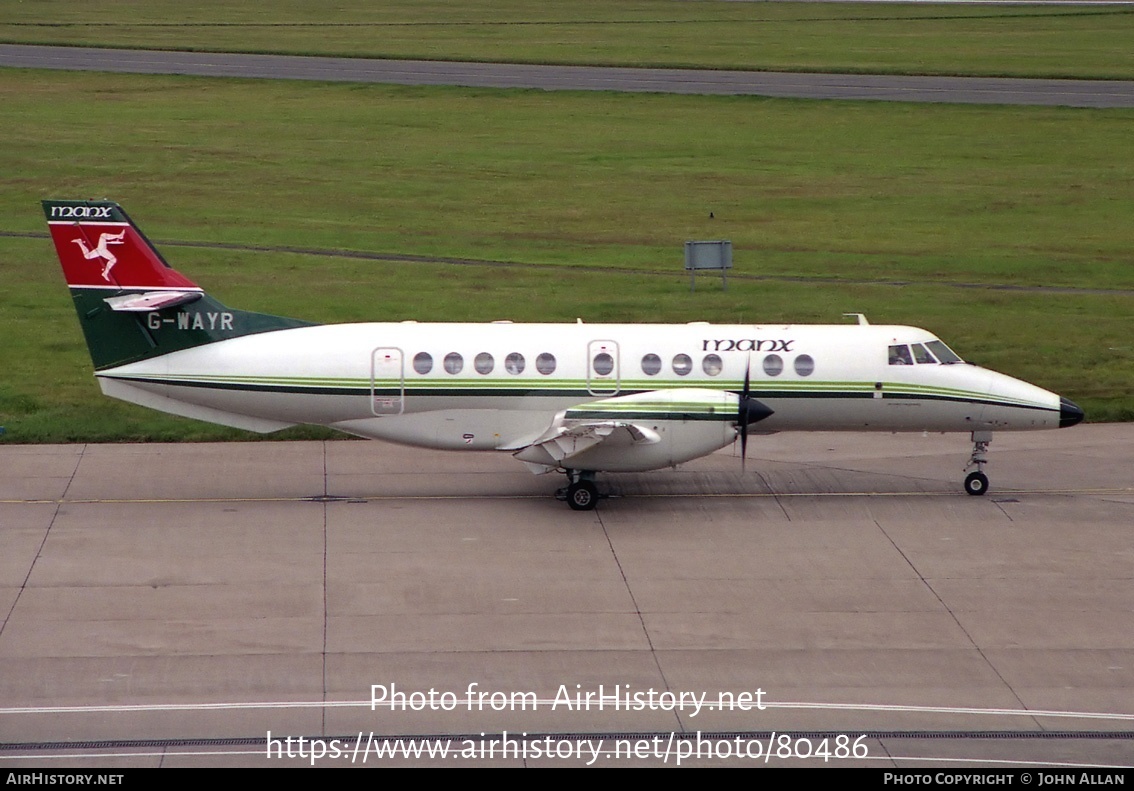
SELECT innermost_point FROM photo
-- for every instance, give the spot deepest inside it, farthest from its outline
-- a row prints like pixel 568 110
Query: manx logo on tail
pixel 103 250
pixel 99 247
pixel 132 304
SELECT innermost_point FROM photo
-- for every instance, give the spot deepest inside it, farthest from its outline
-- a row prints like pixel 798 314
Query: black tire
pixel 582 496
pixel 976 483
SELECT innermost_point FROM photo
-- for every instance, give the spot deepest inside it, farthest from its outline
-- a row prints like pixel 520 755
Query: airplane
pixel 575 398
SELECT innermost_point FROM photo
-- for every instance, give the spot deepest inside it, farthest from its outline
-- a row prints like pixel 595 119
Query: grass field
pixel 582 200
pixel 956 38
pixel 601 190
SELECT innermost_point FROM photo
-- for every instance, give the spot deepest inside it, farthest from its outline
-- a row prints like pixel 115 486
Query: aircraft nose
pixel 1069 413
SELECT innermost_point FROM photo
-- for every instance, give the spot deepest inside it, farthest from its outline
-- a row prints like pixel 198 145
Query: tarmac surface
pixel 170 605
pixel 969 90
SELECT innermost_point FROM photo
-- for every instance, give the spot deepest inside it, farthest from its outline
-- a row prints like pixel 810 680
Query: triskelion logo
pixel 102 250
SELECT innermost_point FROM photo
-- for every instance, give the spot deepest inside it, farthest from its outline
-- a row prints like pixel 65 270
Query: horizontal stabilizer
pixel 151 300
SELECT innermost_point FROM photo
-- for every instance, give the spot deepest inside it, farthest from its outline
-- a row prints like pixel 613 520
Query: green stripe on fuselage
pixel 565 388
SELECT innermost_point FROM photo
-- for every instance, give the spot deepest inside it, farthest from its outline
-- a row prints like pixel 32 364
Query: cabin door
pixel 604 369
pixel 387 381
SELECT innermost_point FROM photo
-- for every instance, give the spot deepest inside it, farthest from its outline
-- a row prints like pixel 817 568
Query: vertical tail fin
pixel 101 248
pixel 131 303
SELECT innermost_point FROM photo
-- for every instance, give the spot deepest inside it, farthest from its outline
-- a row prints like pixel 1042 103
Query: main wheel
pixel 582 496
pixel 976 483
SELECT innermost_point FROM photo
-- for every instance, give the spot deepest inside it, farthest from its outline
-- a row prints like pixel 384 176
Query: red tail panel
pixel 100 247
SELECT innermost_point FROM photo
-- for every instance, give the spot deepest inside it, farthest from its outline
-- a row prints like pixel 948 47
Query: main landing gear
pixel 976 482
pixel 580 493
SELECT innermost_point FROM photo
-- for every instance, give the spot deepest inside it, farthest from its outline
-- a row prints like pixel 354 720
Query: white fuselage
pixel 499 386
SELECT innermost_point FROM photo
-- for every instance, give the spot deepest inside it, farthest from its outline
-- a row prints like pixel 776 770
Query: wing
pixel 641 431
pixel 566 440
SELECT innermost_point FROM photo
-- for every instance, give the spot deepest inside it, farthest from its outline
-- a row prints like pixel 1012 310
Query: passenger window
pixel 484 363
pixel 423 362
pixel 804 365
pixel 922 355
pixel 545 364
pixel 773 365
pixel 712 364
pixel 603 364
pixel 682 364
pixel 900 355
pixel 651 365
pixel 514 363
pixel 454 363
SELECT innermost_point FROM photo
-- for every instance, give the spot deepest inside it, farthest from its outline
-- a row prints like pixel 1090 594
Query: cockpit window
pixel 900 355
pixel 943 352
pixel 922 355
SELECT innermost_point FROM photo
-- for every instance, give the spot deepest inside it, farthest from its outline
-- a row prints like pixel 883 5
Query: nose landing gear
pixel 976 482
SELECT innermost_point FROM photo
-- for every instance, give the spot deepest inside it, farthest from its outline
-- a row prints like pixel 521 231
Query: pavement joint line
pixel 359 499
pixel 308 704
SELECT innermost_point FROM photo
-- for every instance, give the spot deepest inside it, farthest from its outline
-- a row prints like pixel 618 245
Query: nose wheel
pixel 976 482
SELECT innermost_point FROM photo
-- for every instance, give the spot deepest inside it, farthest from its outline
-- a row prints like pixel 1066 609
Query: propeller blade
pixel 743 407
pixel 743 448
pixel 749 411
